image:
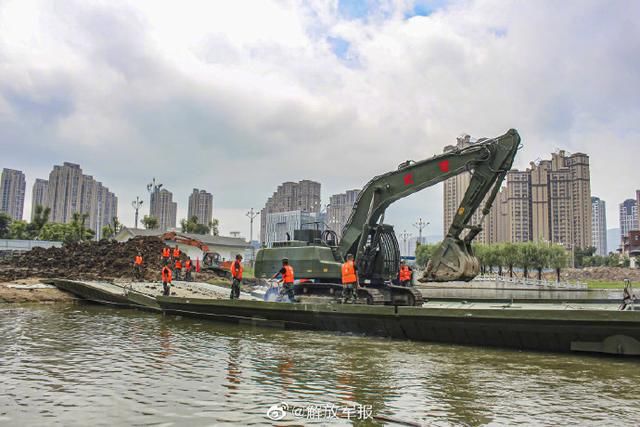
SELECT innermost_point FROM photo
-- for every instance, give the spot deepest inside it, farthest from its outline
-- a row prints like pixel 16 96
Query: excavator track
pixel 371 296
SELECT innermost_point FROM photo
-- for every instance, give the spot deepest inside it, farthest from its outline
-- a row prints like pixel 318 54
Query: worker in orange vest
pixel 177 268
pixel 287 279
pixel 176 253
pixel 349 280
pixel 236 275
pixel 188 265
pixel 166 279
pixel 166 253
pixel 137 266
pixel 405 274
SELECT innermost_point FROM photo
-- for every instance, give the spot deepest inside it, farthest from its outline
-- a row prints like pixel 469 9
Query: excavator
pixel 317 256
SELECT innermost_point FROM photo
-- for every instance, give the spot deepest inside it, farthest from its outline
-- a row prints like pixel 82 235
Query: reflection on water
pixel 86 364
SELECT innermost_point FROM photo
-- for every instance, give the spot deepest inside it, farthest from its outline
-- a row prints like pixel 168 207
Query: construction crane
pixel 317 256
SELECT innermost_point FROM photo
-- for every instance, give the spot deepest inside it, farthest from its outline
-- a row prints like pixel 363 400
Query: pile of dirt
pixel 103 260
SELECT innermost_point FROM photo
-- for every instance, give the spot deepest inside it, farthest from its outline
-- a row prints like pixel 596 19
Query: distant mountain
pixel 613 239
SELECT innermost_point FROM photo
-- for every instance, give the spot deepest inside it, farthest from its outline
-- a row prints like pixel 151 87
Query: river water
pixel 81 364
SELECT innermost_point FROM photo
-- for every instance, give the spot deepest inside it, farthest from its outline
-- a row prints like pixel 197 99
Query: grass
pixel 603 284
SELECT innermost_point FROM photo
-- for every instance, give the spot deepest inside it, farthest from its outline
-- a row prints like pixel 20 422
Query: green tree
pixel 19 230
pixel 558 259
pixel 107 232
pixel 424 253
pixel 191 226
pixel 40 218
pixel 5 223
pixel 525 252
pixel 56 232
pixel 213 226
pixel 510 256
pixel 539 257
pixel 150 222
pixel 79 231
pixel 480 251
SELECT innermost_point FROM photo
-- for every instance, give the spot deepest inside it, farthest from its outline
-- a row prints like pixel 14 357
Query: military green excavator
pixel 317 256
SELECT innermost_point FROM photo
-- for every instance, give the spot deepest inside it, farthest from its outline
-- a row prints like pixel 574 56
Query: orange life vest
pixel 187 264
pixel 405 273
pixel 178 264
pixel 236 270
pixel 138 260
pixel 349 272
pixel 166 274
pixel 287 277
pixel 165 253
pixel 176 253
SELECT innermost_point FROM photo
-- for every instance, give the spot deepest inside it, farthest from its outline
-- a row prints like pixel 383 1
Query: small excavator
pixel 317 256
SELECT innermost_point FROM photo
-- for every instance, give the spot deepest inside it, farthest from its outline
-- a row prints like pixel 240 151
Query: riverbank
pixel 32 290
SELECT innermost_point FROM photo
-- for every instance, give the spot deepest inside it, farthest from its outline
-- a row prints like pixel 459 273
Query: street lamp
pixel 137 203
pixel 420 225
pixel 251 214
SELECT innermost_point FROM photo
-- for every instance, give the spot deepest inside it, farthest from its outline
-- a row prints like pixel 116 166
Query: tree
pixel 480 251
pixel 557 259
pixel 525 255
pixel 5 223
pixel 150 222
pixel 510 256
pixel 192 226
pixel 40 218
pixel 424 253
pixel 78 230
pixel 107 232
pixel 213 226
pixel 539 257
pixel 56 232
pixel 19 230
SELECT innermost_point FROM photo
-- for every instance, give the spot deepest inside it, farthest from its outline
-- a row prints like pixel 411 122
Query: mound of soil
pixel 103 260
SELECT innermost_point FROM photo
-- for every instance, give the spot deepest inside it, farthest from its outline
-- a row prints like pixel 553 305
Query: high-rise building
pixel 339 209
pixel 454 190
pixel 628 218
pixel 599 226
pixel 163 208
pixel 303 196
pixel 39 195
pixel 551 201
pixel 12 190
pixel 69 191
pixel 281 225
pixel 201 206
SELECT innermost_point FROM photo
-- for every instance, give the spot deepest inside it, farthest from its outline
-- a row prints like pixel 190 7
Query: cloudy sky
pixel 236 97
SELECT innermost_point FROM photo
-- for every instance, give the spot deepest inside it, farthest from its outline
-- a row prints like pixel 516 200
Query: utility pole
pixel 137 203
pixel 420 225
pixel 404 236
pixel 251 214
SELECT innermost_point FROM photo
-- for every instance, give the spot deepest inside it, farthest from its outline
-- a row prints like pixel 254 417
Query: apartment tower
pixel 12 190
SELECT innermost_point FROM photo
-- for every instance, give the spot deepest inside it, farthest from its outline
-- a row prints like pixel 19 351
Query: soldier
pixel 137 267
pixel 177 268
pixel 188 265
pixel 176 253
pixel 166 254
pixel 166 279
pixel 349 280
pixel 287 279
pixel 405 274
pixel 236 275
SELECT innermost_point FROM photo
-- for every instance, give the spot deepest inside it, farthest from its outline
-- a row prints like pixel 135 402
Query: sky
pixel 237 97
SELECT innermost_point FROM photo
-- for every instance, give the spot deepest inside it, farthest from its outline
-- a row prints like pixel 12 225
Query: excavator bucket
pixel 452 261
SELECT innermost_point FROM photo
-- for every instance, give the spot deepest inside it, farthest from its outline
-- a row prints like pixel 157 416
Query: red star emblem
pixel 408 179
pixel 444 166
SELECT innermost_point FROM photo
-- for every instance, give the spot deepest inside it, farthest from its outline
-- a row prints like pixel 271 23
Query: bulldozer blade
pixel 453 260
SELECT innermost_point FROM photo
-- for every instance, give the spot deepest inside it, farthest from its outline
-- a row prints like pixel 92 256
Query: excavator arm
pixel 488 161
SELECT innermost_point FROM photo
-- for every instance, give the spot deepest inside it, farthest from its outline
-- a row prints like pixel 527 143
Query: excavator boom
pixel 487 160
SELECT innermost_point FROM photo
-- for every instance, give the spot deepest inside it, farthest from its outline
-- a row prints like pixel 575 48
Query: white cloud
pixel 238 97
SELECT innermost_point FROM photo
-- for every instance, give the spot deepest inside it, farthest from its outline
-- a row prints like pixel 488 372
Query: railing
pixel 531 282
